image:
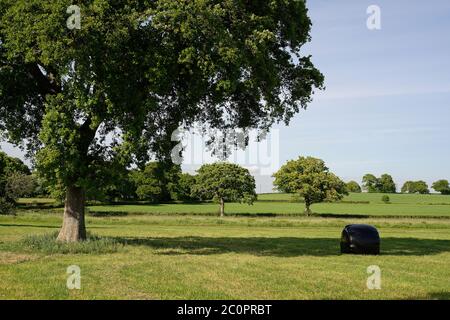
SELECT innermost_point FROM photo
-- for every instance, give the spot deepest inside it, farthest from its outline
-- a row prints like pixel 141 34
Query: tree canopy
pixel 222 181
pixel 384 184
pixel 114 90
pixel 15 181
pixel 353 186
pixel 156 182
pixel 370 183
pixel 441 186
pixel 415 187
pixel 311 180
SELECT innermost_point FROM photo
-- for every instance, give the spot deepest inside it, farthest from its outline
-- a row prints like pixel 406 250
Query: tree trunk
pixel 222 207
pixel 307 209
pixel 73 228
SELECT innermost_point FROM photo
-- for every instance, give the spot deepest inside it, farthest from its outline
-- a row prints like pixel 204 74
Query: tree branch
pixel 46 85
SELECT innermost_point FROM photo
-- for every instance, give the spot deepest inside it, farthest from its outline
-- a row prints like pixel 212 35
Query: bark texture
pixel 307 209
pixel 73 228
pixel 222 207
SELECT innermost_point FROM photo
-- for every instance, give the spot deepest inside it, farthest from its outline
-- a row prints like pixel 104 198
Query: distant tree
pixel 353 186
pixel 41 190
pixel 421 187
pixel 123 188
pixel 156 182
pixel 13 174
pixel 386 199
pixel 183 190
pixel 370 183
pixel 408 187
pixel 441 186
pixel 415 187
pixel 310 179
pixel 10 165
pixel 20 185
pixel 386 184
pixel 6 207
pixel 223 182
pixel 117 185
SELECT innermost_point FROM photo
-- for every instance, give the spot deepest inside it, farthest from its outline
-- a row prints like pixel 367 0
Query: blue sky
pixel 386 107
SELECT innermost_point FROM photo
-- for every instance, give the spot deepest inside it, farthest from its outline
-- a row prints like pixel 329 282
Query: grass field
pixel 281 204
pixel 204 257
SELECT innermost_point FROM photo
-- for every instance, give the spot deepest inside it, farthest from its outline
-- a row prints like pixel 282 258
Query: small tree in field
pixel 353 186
pixel 421 187
pixel 441 186
pixel 370 183
pixel 415 187
pixel 310 179
pixel 387 184
pixel 224 182
pixel 408 187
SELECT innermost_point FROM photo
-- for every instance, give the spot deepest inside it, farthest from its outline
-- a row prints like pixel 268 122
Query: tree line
pixel 386 184
pixel 156 182
pixel 160 182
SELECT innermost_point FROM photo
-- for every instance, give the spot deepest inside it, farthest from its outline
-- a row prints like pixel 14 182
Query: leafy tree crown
pixel 115 90
pixel 226 181
pixel 311 179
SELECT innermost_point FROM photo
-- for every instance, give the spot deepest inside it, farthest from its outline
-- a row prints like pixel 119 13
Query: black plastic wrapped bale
pixel 360 239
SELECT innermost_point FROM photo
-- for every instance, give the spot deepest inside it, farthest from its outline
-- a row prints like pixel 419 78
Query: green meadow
pixel 363 204
pixel 266 251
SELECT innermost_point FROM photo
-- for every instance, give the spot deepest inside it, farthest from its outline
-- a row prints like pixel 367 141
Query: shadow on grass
pixel 443 295
pixel 440 295
pixel 281 247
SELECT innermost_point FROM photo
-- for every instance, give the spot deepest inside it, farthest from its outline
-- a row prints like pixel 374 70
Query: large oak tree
pixel 113 91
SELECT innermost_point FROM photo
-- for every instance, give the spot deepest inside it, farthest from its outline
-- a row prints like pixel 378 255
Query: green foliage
pixel 441 186
pixel 384 184
pixel 224 181
pixel 9 165
pixel 386 199
pixel 15 181
pixel 184 187
pixel 310 179
pixel 408 187
pixel 41 189
pixel 6 206
pixel 387 184
pixel 415 187
pixel 370 183
pixel 20 185
pixel 353 186
pixel 142 69
pixel 157 182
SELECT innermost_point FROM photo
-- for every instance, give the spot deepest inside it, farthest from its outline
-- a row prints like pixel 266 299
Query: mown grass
pixel 355 205
pixel 194 257
pixel 263 208
pixel 373 198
